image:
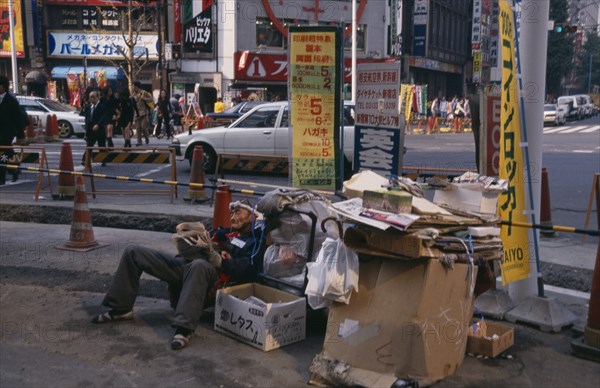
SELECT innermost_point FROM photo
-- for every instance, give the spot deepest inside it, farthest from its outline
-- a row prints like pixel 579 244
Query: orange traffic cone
pixel 589 346
pixel 221 216
pixel 66 182
pixel 29 133
pixel 82 235
pixel 48 133
pixel 196 193
pixel 55 136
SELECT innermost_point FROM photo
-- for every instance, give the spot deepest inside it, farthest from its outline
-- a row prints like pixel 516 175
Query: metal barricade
pixel 28 155
pixel 141 155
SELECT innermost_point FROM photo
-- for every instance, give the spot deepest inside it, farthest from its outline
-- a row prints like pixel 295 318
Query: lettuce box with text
pixel 260 316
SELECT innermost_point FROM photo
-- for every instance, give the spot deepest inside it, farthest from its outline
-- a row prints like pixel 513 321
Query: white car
pixel 261 131
pixel 69 121
pixel 555 114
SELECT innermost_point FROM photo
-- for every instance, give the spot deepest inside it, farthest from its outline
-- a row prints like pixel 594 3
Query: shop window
pixel 267 35
pixel 361 32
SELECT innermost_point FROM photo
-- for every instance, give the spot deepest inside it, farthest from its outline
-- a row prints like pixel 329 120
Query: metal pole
pixel 353 50
pixel 13 48
pixel 590 76
pixel 533 48
pixel 160 44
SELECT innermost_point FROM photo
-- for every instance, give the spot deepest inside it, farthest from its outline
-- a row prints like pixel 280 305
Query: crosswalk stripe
pixel 554 130
pixel 594 128
pixel 575 129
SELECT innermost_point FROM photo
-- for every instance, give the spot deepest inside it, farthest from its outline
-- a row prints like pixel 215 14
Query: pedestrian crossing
pixel 564 129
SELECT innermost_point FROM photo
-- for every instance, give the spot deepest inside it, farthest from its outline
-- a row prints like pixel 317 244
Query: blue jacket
pixel 247 252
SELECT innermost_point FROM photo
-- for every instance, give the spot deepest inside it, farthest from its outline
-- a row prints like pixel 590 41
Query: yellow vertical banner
pixel 511 203
pixel 5 38
pixel 314 103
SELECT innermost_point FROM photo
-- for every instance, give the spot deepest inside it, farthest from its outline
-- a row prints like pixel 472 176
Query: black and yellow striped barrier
pixel 26 154
pixel 555 228
pixel 23 157
pixel 145 155
pixel 131 157
pixel 252 163
pixel 131 179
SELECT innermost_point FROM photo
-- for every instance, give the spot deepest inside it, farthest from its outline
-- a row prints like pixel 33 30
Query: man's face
pixel 2 90
pixel 240 219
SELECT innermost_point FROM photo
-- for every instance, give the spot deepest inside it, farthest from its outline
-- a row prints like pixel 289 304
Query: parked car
pixel 69 121
pixel 262 131
pixel 574 106
pixel 588 105
pixel 555 114
pixel 231 114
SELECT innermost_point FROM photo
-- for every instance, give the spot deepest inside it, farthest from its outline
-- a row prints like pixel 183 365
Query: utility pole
pixel 13 48
pixel 159 66
pixel 590 76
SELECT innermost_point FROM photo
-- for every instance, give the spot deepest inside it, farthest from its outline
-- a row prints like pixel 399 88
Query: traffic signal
pixel 176 51
pixel 565 29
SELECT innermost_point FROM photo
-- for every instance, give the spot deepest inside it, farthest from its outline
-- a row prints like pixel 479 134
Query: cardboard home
pixel 409 319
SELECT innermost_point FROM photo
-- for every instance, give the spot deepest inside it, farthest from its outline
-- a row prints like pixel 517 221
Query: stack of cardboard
pixel 410 317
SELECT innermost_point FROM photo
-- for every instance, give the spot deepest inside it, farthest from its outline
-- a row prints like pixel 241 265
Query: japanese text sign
pixel 314 96
pixel 378 134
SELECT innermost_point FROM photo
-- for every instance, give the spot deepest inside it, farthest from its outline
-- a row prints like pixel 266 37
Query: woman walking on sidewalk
pixel 126 108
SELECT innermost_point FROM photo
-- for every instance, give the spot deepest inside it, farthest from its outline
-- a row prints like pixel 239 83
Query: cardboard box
pixel 483 342
pixel 409 318
pixel 467 198
pixel 388 201
pixel 388 243
pixel 279 321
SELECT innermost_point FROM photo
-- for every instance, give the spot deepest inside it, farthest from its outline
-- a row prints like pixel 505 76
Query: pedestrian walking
pixel 111 111
pixel 13 122
pixel 95 122
pixel 444 107
pixel 219 106
pixel 126 113
pixel 145 105
pixel 177 112
pixel 163 115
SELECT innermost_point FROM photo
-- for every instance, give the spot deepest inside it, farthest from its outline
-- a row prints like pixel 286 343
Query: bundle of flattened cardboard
pixel 410 317
pixel 460 220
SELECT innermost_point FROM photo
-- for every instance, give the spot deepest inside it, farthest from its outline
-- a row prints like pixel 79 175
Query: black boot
pixel 109 142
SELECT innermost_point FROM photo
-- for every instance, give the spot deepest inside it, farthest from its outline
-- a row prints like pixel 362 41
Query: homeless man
pixel 200 267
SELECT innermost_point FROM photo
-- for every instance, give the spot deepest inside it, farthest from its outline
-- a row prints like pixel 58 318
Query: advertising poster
pixel 379 129
pixel 5 41
pixel 79 44
pixel 197 26
pixel 511 204
pixel 52 90
pixel 314 98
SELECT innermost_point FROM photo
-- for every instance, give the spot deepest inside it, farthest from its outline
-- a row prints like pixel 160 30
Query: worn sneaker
pixel 113 316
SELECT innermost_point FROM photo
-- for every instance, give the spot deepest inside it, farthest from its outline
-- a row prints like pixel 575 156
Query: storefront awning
pixel 111 72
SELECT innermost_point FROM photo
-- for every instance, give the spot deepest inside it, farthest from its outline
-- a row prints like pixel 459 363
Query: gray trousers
pixel 195 278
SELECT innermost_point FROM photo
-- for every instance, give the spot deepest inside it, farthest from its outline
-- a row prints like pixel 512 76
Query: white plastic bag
pixel 333 276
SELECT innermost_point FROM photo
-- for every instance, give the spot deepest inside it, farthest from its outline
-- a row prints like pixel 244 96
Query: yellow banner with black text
pixel 511 204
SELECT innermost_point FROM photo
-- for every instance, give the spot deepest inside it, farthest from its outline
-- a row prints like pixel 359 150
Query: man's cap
pixel 244 204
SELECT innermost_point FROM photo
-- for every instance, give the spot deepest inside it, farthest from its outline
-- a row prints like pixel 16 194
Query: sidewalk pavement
pixel 47 297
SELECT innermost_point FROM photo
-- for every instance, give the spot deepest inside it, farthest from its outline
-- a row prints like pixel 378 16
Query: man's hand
pixel 95 128
pixel 225 255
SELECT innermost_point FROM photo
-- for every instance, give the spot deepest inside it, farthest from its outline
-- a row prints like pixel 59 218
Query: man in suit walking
pixel 12 123
pixel 95 122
